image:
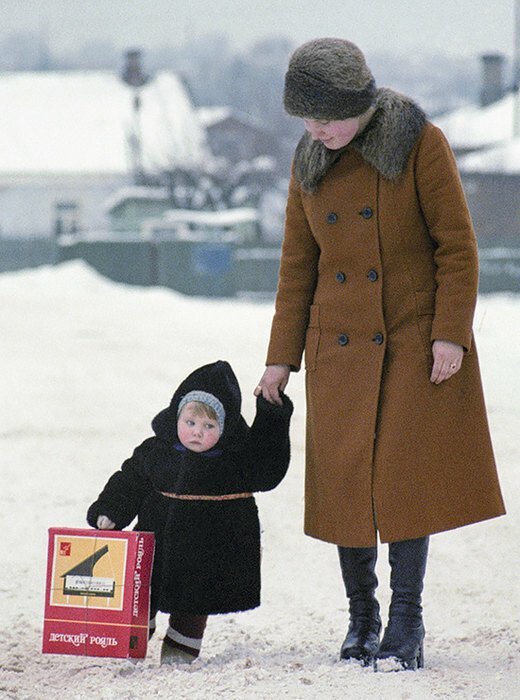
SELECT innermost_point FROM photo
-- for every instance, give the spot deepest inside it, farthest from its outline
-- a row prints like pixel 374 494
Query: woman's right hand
pixel 273 381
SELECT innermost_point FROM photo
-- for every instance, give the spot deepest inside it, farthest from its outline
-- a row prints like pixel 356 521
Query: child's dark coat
pixel 207 552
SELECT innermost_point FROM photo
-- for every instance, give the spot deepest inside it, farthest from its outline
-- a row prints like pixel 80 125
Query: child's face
pixel 197 433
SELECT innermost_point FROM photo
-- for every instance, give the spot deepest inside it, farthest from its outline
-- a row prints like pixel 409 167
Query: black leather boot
pixel 358 570
pixel 402 645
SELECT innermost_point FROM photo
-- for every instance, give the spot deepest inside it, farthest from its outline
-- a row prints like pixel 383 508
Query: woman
pixel 378 284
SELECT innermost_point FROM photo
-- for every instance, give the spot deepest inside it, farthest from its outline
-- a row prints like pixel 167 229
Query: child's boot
pixel 183 638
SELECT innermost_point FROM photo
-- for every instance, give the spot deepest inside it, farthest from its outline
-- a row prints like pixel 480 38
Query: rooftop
pixel 79 122
pixel 473 127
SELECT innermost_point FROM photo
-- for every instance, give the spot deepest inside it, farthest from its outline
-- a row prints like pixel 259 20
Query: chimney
pixel 492 78
pixel 133 74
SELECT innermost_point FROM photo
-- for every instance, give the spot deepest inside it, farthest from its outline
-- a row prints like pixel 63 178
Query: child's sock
pixel 183 638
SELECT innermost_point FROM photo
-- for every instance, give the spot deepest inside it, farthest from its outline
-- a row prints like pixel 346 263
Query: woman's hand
pixel 273 381
pixel 447 359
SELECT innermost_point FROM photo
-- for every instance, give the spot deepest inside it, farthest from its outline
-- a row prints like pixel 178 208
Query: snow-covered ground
pixel 85 364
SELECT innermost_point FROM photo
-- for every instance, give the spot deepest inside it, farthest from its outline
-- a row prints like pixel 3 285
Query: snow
pixel 85 365
pixel 502 158
pixel 78 122
pixel 476 127
pixel 208 116
pixel 134 192
pixel 211 115
pixel 223 225
pixel 223 217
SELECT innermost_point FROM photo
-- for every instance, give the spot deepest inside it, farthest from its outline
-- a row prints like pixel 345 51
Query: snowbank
pixel 85 364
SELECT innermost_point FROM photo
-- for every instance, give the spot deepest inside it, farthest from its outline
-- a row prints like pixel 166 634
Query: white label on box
pixel 89 585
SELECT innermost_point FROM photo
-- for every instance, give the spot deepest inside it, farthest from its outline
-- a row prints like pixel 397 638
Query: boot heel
pixel 418 661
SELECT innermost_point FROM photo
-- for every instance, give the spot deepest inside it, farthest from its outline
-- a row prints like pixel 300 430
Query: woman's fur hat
pixel 328 79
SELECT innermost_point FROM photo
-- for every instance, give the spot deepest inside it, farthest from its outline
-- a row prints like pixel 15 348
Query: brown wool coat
pixel 373 270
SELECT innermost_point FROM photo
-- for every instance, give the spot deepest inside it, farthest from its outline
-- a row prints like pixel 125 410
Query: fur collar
pixel 385 143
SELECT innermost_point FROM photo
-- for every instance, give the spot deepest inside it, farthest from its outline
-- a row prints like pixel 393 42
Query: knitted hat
pixel 209 400
pixel 328 79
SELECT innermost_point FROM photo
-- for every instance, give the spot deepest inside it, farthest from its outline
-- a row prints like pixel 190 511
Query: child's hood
pixel 218 379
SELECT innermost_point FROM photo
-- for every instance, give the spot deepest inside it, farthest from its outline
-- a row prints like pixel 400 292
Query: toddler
pixel 192 484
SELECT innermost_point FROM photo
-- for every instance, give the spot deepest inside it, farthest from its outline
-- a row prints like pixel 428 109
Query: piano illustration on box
pixel 80 580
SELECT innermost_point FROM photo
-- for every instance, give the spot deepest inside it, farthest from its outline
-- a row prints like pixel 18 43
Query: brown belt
pixel 196 497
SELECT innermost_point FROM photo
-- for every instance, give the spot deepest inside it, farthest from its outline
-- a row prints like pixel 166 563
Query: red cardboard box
pixel 97 599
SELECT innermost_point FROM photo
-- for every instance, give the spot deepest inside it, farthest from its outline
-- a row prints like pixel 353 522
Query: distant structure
pixel 492 88
pixel 486 142
pixel 69 139
pixel 134 76
pixel 495 121
pixel 237 136
pixel 474 127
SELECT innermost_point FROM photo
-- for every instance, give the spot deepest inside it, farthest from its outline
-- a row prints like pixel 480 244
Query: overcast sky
pixel 456 27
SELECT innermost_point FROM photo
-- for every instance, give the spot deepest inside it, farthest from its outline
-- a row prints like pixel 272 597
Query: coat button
pixel 366 213
pixel 343 339
pixel 332 217
pixel 372 275
pixel 378 339
pixel 340 277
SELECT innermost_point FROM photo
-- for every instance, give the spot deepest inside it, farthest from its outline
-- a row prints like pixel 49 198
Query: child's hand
pixel 104 523
pixel 285 408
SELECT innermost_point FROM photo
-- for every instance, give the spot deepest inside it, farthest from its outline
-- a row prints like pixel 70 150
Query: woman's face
pixel 332 134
